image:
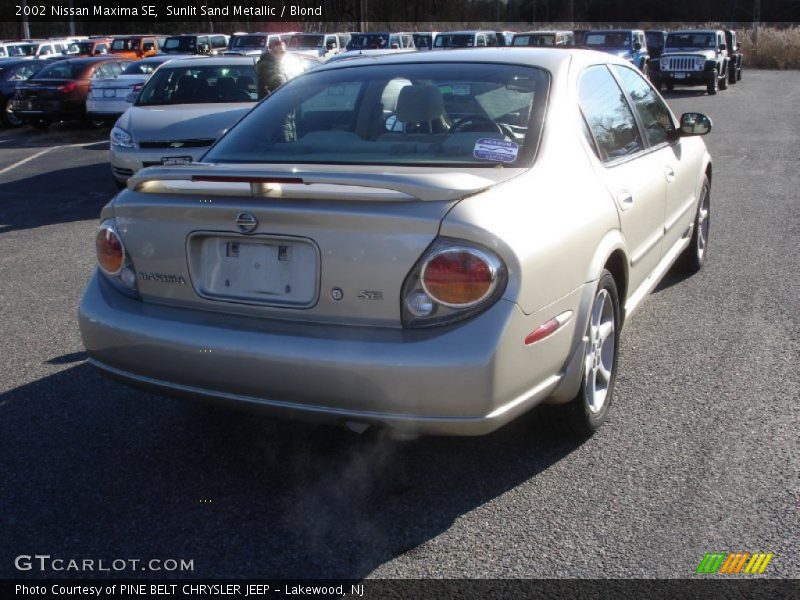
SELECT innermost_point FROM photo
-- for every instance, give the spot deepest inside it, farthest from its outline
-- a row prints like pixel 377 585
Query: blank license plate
pixel 176 160
pixel 680 75
pixel 109 93
pixel 268 271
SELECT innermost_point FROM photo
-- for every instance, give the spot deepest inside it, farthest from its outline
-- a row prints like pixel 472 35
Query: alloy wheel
pixel 599 360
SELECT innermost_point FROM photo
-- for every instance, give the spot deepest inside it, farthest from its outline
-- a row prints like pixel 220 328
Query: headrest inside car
pixel 419 103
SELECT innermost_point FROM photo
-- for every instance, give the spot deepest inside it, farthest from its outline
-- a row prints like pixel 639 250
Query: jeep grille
pixel 683 63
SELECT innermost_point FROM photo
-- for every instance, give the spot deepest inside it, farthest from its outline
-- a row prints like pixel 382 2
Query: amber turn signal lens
pixel 458 277
pixel 110 252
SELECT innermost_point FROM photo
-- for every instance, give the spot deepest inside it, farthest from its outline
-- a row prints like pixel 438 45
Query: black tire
pixel 713 84
pixel 8 118
pixel 739 74
pixel 40 123
pixel 732 79
pixel 694 256
pixel 723 81
pixel 578 416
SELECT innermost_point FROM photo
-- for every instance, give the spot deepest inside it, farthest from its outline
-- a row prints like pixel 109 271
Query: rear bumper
pixel 106 108
pixel 51 109
pixel 466 379
pixel 127 161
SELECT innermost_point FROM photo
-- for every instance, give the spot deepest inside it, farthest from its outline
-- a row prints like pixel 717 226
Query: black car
pixel 12 72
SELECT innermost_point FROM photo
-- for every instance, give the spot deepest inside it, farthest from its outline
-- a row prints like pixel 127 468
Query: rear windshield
pixel 468 114
pixel 459 40
pixel 306 42
pixel 142 68
pixel 200 85
pixel 691 40
pixel 61 70
pixel 537 39
pixel 368 41
pixel 250 41
pixel 611 39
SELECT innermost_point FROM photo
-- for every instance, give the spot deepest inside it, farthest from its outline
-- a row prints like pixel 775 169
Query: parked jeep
pixel 629 44
pixel 694 57
pixel 735 56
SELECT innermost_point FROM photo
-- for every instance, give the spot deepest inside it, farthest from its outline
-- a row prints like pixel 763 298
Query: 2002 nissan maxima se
pixel 435 243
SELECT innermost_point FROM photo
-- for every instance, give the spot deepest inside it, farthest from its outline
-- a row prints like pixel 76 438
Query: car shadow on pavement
pixel 683 93
pixel 58 196
pixel 93 468
pixel 58 134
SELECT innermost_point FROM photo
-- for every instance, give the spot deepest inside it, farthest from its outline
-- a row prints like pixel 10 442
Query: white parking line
pixel 38 154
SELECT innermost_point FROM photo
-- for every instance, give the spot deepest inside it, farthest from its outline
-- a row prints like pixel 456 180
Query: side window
pixel 218 41
pixel 100 72
pixel 652 111
pixel 481 41
pixel 343 39
pixel 610 118
pixel 101 49
pixel 148 45
pixel 115 69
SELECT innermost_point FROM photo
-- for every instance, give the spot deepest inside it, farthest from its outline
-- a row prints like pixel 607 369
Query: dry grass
pixel 777 48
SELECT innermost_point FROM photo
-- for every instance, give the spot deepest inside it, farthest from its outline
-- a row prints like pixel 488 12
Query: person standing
pixel 270 68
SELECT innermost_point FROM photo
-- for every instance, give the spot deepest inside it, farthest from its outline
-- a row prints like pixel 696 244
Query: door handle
pixel 625 199
pixel 669 172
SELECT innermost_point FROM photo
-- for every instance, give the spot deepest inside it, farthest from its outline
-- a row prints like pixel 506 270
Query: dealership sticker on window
pixel 495 150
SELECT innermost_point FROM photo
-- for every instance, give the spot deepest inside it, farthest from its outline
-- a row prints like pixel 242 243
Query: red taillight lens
pixel 67 88
pixel 458 277
pixel 110 252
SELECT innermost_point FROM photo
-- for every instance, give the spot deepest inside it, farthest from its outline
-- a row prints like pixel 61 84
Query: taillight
pixel 458 277
pixel 453 280
pixel 67 87
pixel 113 260
pixel 110 251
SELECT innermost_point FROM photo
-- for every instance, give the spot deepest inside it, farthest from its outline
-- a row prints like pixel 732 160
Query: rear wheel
pixel 694 256
pixel 10 119
pixel 713 83
pixel 587 412
pixel 732 75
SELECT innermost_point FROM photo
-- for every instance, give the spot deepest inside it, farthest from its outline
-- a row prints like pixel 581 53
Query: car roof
pixel 87 60
pixel 550 59
pixel 217 60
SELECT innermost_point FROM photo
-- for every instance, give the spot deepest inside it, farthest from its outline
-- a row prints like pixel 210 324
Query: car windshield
pixel 468 114
pixel 611 39
pixel 422 40
pixel 250 41
pixel 22 50
pixel 180 44
pixel 61 70
pixel 200 85
pixel 691 40
pixel 125 44
pixel 537 39
pixel 142 68
pixel 458 40
pixel 83 47
pixel 368 41
pixel 306 42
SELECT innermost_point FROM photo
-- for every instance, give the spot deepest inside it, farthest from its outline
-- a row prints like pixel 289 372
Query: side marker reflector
pixel 548 328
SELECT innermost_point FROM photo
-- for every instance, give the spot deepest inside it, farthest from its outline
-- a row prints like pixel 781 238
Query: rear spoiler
pixel 273 181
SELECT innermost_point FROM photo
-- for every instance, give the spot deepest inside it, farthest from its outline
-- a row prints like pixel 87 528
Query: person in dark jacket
pixel 269 68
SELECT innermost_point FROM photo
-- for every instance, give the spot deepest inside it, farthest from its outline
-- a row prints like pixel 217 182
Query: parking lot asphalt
pixel 701 453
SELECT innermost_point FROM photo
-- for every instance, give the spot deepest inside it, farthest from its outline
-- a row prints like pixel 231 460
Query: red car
pixel 58 92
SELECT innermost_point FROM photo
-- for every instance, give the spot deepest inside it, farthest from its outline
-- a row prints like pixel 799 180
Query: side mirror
pixel 695 124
